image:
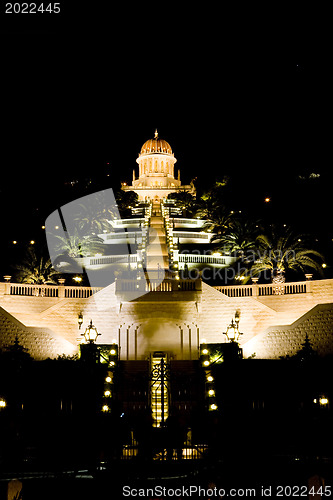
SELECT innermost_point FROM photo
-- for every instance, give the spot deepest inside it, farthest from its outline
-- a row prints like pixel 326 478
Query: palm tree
pixel 95 214
pixel 219 222
pixel 36 269
pixel 125 200
pixel 280 253
pixel 240 239
pixel 211 208
pixel 184 199
pixel 77 246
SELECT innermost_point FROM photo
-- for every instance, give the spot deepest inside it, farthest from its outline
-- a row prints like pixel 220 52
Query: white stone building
pixel 156 171
pixel 170 314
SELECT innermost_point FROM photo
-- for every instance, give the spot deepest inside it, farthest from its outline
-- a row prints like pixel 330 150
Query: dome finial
pixel 156 134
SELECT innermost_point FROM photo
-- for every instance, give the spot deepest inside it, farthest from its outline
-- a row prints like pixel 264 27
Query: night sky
pixel 79 100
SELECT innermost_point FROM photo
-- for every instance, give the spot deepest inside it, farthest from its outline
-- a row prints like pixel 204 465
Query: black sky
pixel 252 101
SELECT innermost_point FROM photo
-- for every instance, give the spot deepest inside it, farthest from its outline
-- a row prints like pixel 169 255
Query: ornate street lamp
pixel 91 333
pixel 233 332
pixel 232 351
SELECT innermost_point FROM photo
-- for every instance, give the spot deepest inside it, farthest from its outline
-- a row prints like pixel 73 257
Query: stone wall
pixel 278 341
pixel 41 343
pixel 155 323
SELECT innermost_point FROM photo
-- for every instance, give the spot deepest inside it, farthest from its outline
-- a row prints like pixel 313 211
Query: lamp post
pixel 91 333
pixel 233 334
pixel 89 350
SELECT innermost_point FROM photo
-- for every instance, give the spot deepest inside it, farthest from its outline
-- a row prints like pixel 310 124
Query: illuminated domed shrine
pixel 156 171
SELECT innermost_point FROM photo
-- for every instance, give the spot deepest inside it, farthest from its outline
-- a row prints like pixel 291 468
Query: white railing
pixel 186 235
pixel 187 222
pixel 34 290
pixel 117 223
pixel 264 290
pixel 111 259
pixel 80 292
pixel 205 259
pixel 70 292
pixel 168 285
pixel 127 237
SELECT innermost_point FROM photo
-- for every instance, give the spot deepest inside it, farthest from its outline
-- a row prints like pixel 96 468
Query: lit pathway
pixel 157 251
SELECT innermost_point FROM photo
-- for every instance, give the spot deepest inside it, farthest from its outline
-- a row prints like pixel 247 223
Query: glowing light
pixel 113 352
pixel 78 279
pixel 108 379
pixel 3 403
pixel 267 200
pixel 324 265
pixel 14 242
pixel 105 408
pixel 107 393
pixel 56 227
pixel 91 334
pixel 32 242
pixel 43 227
pixel 203 341
pixel 205 351
pixel 323 401
pixel 211 392
pixel 216 254
pixel 206 363
pixel 210 378
pixel 213 406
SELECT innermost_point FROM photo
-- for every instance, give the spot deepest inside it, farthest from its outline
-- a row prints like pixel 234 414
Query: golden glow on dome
pixel 156 145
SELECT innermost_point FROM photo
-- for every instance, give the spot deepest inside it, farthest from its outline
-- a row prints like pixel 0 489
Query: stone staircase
pixel 157 250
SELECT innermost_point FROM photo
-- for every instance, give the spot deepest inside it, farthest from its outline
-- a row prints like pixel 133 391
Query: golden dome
pixel 156 145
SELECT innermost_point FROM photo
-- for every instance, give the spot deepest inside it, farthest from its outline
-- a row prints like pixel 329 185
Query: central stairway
pixel 157 250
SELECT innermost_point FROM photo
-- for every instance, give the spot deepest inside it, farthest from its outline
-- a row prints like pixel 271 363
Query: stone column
pixel 61 288
pixel 255 288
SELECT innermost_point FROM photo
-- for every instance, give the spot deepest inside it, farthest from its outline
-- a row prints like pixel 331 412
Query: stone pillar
pixel 7 279
pixel 61 288
pixel 255 288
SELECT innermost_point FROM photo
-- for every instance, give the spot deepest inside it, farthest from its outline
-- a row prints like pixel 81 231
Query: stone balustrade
pixel 101 260
pixel 191 237
pixel 121 223
pixel 58 291
pixel 125 237
pixel 191 223
pixel 167 285
pixel 265 289
pixel 189 258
